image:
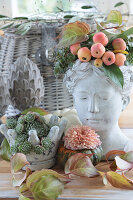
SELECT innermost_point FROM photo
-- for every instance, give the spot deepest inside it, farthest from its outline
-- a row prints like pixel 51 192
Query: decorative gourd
pixel 80 139
pixel 64 154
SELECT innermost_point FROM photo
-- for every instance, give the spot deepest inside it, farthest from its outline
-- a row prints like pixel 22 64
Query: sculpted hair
pixel 80 70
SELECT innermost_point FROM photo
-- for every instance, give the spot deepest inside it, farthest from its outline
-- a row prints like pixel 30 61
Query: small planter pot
pixel 42 161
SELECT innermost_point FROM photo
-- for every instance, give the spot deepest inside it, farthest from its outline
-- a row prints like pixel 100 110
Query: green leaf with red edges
pixel 128 175
pixel 114 17
pixel 128 156
pixel 20 177
pixel 23 188
pixel 118 181
pixel 80 165
pixel 18 161
pixel 113 152
pixel 5 150
pixel 72 33
pixel 35 109
pixel 21 197
pixel 123 164
pixel 103 175
pixel 35 176
pixel 71 162
pixel 47 187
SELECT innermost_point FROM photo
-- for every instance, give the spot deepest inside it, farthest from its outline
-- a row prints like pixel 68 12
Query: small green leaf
pixel 16 25
pixel 5 150
pixel 7 25
pixel 60 9
pixel 35 109
pixel 68 16
pixel 115 74
pixel 118 4
pixel 114 17
pixel 3 16
pixel 18 161
pixel 20 18
pixel 124 37
pixel 24 28
pixel 128 32
pixel 87 7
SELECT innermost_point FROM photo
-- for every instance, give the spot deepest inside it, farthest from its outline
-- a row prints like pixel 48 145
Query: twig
pixel 116 27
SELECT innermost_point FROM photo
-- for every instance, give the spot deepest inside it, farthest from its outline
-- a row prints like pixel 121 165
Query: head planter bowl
pixel 81 70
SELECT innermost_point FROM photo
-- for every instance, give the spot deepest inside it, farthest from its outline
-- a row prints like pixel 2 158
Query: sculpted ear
pixel 73 101
pixel 126 101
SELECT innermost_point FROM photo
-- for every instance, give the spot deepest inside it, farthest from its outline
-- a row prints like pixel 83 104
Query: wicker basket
pixel 56 95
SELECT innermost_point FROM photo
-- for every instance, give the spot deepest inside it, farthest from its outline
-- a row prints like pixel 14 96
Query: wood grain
pixel 79 189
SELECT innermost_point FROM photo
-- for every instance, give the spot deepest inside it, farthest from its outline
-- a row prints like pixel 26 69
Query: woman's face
pixel 97 102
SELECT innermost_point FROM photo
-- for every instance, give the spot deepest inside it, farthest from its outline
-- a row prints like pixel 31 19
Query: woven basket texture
pixel 56 95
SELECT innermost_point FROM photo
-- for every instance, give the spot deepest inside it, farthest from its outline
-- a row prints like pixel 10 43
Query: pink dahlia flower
pixel 81 137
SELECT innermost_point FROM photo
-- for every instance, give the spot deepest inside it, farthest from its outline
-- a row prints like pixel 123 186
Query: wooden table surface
pixel 79 189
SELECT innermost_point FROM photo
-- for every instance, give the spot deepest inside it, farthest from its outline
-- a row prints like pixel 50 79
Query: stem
pixel 106 28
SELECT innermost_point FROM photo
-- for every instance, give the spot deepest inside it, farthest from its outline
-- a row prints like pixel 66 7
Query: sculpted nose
pixel 93 105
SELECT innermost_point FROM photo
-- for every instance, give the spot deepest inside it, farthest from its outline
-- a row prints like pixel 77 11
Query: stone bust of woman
pixel 99 101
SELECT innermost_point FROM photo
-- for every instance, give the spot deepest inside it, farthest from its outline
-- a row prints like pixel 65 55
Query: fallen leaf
pixel 128 175
pixel 35 176
pixel 47 187
pixel 18 161
pixel 19 178
pixel 118 181
pixel 5 152
pixel 122 164
pixel 103 174
pixel 23 188
pixel 80 165
pixel 128 156
pixel 71 162
pixel 21 197
pixel 114 152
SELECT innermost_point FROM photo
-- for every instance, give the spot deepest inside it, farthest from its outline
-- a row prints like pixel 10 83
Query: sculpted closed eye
pixel 83 98
pixel 105 97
